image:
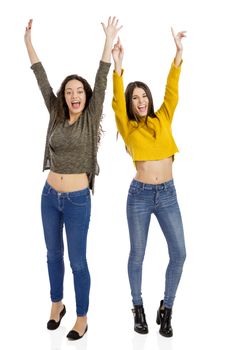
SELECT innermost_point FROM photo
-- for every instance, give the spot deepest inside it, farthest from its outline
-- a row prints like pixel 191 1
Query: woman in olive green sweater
pixel 71 155
pixel 148 138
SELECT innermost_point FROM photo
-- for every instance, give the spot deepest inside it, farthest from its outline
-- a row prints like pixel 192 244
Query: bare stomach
pixel 67 182
pixel 154 171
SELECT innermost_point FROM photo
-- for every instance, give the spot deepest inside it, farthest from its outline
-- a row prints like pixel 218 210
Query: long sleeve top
pixel 72 149
pixel 141 143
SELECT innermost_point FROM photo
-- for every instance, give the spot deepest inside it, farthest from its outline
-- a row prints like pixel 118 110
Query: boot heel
pixel 158 319
pixel 164 319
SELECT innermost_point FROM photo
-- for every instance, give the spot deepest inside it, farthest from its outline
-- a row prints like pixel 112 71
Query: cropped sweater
pixel 72 149
pixel 153 141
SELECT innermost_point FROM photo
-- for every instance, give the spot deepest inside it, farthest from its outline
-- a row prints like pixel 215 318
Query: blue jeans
pixel 72 209
pixel 160 200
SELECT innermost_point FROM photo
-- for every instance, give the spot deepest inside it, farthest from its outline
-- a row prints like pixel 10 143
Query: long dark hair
pixel 129 105
pixel 62 110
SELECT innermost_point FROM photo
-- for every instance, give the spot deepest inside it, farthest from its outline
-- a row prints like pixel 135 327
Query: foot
pixel 140 325
pixel 56 309
pixel 80 325
pixel 79 329
pixel 164 316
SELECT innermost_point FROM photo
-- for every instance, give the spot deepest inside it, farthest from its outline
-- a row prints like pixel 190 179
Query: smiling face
pixel 140 102
pixel 75 97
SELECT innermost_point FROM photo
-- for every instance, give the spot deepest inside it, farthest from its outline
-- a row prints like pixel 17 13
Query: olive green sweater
pixel 72 149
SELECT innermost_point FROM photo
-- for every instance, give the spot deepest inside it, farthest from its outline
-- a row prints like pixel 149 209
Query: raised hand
pixel 112 28
pixel 27 35
pixel 118 54
pixel 179 47
pixel 118 51
pixel 27 38
pixel 177 38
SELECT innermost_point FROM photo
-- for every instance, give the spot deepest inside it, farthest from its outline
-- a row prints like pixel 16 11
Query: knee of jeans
pixel 180 257
pixel 55 255
pixel 136 258
pixel 183 255
pixel 79 265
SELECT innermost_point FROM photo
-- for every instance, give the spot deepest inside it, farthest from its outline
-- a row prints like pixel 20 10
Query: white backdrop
pixel 69 39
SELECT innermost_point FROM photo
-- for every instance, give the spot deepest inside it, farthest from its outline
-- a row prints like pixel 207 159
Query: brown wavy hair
pixel 62 110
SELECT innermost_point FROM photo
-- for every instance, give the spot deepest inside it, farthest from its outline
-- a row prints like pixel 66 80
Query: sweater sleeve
pixel 95 106
pixel 45 88
pixel 119 105
pixel 171 96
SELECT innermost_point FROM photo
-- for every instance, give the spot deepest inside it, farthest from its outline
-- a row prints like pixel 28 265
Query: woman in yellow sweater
pixel 148 138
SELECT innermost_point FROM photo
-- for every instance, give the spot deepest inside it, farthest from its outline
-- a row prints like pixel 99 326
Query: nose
pixel 74 95
pixel 140 99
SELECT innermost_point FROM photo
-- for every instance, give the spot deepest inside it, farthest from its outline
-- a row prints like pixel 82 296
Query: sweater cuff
pixel 36 66
pixel 179 67
pixel 115 74
pixel 105 66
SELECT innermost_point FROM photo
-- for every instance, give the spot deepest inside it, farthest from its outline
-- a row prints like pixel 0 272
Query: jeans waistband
pixel 156 187
pixel 50 189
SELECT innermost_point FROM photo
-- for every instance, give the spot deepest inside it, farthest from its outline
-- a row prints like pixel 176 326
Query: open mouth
pixel 142 109
pixel 75 104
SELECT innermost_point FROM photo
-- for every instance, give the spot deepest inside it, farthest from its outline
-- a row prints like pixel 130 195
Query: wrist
pixel 28 41
pixel 109 40
pixel 118 68
pixel 118 64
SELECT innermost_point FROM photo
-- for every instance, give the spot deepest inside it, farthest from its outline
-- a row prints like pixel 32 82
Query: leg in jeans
pixel 169 218
pixel 77 207
pixel 52 220
pixel 139 211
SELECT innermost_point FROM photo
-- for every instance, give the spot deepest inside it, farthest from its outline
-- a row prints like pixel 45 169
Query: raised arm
pixel 179 47
pixel 118 101
pixel 28 42
pixel 38 69
pixel 95 106
pixel 171 96
pixel 111 30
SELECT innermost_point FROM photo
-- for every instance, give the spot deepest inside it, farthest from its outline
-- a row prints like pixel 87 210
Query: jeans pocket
pixel 133 190
pixel 172 191
pixel 168 196
pixel 79 201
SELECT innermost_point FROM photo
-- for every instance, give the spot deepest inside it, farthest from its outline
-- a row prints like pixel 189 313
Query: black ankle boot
pixel 164 319
pixel 140 325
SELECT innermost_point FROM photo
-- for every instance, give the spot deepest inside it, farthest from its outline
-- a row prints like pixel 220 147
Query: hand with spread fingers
pixel 111 30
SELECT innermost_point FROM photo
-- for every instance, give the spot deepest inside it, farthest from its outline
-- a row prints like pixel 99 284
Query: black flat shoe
pixel 164 320
pixel 52 324
pixel 140 325
pixel 73 335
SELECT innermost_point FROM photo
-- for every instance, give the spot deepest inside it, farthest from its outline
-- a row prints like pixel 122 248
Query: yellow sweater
pixel 138 137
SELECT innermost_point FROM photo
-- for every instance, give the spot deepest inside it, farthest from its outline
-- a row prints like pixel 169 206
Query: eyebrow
pixel 144 93
pixel 80 87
